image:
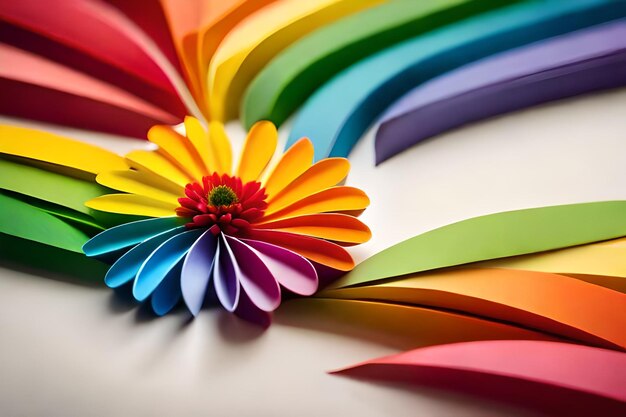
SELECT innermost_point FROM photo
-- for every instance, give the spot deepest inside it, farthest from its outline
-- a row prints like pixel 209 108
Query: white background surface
pixel 74 350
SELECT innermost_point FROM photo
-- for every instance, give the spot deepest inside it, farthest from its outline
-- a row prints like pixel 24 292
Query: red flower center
pixel 222 204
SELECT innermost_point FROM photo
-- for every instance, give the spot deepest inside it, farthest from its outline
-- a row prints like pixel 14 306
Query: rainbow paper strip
pixel 569 65
pixel 546 302
pixel 297 71
pixel 338 114
pixel 494 236
pixel 555 378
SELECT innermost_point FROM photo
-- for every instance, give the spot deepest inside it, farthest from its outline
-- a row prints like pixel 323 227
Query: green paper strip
pixel 340 112
pixel 22 220
pixel 297 71
pixel 48 186
pixel 494 236
pixel 20 253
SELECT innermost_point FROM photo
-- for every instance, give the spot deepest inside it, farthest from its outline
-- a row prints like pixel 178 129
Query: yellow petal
pixel 200 140
pixel 292 164
pixel 137 205
pixel 178 150
pixel 158 166
pixel 257 150
pixel 329 226
pixel 332 199
pixel 58 150
pixel 135 182
pixel 221 154
pixel 324 174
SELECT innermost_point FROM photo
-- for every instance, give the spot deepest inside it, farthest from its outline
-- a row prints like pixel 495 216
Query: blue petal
pixel 127 267
pixel 161 261
pixel 167 294
pixel 129 234
pixel 196 271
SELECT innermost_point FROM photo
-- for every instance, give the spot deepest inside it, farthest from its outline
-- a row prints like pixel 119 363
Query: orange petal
pixel 178 149
pixel 317 250
pixel 133 204
pixel 295 161
pixel 322 175
pixel 330 226
pixel 334 199
pixel 257 150
pixel 159 166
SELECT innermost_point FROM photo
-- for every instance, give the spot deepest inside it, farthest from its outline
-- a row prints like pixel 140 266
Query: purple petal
pixel 196 271
pixel 255 277
pixel 225 277
pixel 246 310
pixel 291 270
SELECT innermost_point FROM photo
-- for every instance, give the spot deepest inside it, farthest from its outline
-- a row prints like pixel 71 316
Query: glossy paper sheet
pixel 555 378
pixel 556 68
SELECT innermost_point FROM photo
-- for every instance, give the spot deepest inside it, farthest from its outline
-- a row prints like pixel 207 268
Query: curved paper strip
pixel 225 273
pixel 95 29
pixel 65 96
pixel 74 217
pixel 97 39
pixel 296 72
pixel 178 150
pixel 210 36
pixel 565 66
pixel 330 226
pixel 613 283
pixel 603 258
pixel 256 279
pixel 125 269
pixel 58 150
pixel 332 199
pixel 201 142
pixel 161 261
pixel 294 162
pixel 251 44
pixel 48 186
pixel 561 378
pixel 168 293
pixel 158 167
pixel 221 153
pixel 22 220
pixel 338 114
pixel 197 270
pixel 321 251
pixel 141 183
pixel 132 204
pixel 129 234
pixel 291 270
pixel 257 151
pixel 395 325
pixel 533 300
pixel 495 236
pixel 322 175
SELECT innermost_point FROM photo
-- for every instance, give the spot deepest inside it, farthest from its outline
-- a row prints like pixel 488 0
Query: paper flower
pixel 245 232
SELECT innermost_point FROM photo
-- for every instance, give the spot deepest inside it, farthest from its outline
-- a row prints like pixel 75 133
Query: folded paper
pixel 340 111
pixel 565 66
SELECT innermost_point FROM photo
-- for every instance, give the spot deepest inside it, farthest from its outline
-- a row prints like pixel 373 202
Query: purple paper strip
pixel 564 66
pixel 225 276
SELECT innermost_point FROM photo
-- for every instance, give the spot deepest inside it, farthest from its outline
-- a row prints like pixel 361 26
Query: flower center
pixel 222 203
pixel 222 195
